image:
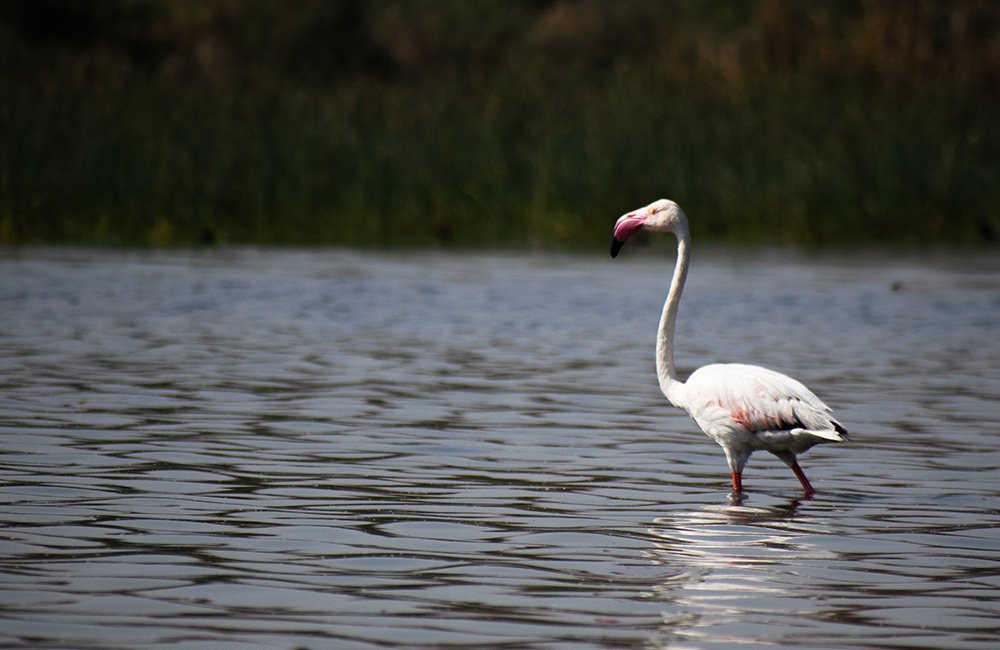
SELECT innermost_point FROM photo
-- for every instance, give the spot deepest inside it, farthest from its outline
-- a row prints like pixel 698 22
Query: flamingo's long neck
pixel 669 384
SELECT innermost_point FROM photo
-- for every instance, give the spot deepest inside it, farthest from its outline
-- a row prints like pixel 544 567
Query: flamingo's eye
pixel 652 211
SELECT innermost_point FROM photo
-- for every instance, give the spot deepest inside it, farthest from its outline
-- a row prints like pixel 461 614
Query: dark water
pixel 245 449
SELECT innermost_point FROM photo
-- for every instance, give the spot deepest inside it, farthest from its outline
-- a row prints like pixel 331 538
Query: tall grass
pixel 532 151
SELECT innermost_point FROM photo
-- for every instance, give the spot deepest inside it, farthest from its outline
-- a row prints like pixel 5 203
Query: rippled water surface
pixel 331 449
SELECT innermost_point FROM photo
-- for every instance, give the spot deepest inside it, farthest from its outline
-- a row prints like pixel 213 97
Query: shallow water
pixel 331 449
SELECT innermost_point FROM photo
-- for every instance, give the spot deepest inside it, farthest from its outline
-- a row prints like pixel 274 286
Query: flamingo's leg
pixel 737 482
pixel 802 477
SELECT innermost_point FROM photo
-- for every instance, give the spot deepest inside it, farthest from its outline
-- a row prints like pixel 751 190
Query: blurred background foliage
pixel 484 123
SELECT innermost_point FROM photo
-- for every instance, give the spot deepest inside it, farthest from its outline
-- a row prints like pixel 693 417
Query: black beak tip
pixel 615 247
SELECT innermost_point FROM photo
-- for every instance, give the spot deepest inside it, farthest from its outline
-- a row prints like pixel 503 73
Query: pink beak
pixel 625 228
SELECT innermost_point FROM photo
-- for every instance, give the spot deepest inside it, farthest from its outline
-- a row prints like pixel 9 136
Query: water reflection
pixel 716 540
pixel 737 563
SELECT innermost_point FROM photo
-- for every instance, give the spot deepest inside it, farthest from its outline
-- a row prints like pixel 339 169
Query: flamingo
pixel 743 408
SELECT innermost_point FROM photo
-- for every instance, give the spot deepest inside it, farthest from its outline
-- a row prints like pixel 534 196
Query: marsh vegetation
pixel 492 123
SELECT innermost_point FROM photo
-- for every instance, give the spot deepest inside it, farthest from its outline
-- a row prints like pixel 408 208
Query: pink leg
pixel 737 482
pixel 802 477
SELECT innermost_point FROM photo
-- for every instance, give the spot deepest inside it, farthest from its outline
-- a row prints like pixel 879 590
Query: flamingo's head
pixel 659 216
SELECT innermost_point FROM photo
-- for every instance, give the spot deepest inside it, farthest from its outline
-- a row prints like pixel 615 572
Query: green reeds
pixel 529 151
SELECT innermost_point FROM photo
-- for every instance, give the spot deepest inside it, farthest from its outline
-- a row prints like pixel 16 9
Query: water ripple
pixel 339 450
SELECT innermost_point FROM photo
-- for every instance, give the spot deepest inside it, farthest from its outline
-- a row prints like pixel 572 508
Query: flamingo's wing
pixel 757 400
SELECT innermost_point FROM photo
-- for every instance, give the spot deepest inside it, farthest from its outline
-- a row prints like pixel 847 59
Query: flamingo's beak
pixel 625 228
pixel 616 245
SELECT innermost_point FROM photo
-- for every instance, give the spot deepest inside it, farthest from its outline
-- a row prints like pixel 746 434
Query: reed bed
pixel 521 142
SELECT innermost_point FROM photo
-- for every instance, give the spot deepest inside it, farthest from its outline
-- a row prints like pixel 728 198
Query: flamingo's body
pixel 743 408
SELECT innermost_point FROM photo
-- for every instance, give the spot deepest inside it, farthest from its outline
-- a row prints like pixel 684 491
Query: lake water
pixel 242 448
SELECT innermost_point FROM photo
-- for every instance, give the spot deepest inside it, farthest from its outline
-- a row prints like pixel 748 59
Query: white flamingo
pixel 743 408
